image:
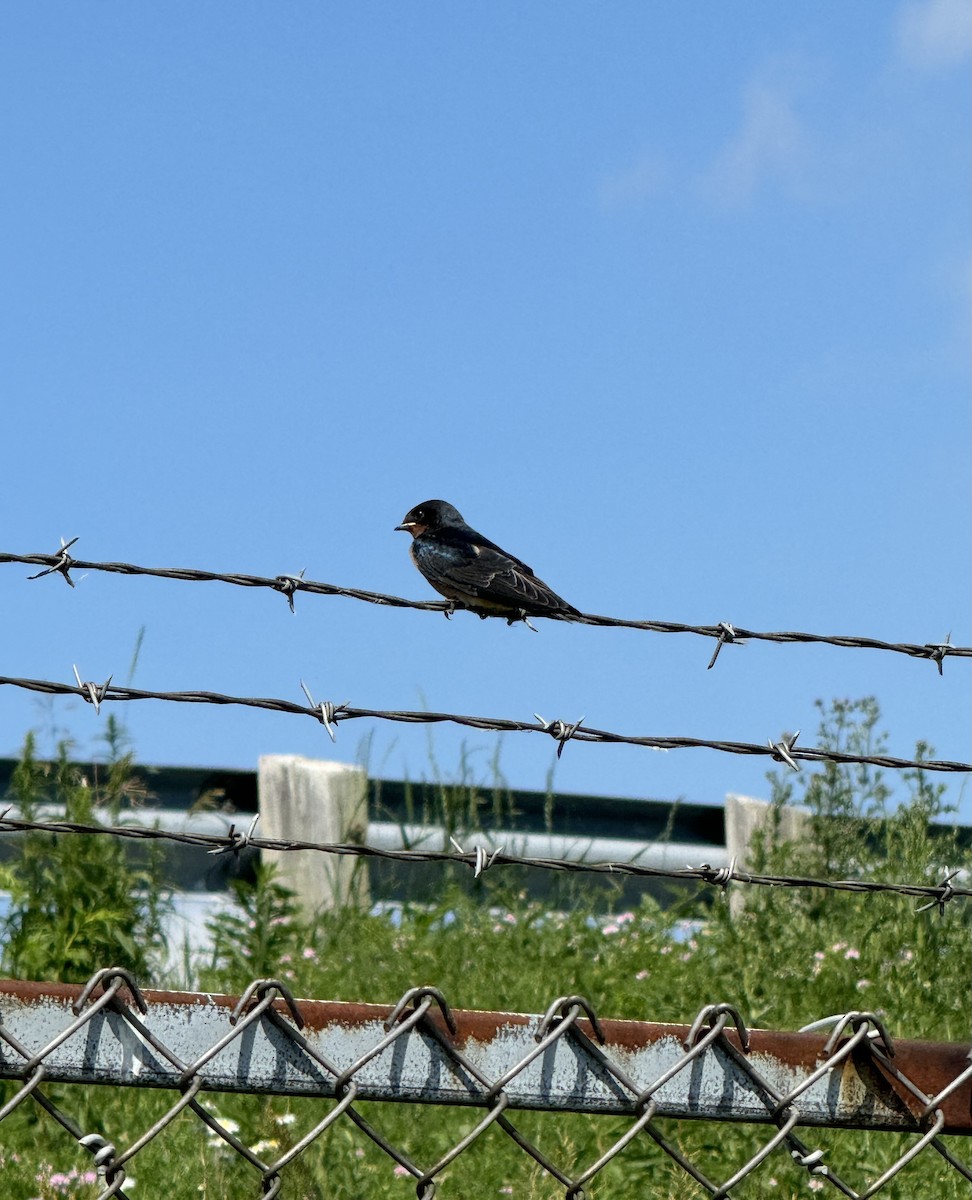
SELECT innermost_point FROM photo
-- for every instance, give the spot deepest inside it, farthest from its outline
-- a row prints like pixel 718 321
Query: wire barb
pixel 93 693
pixel 720 876
pixel 326 712
pixel 483 859
pixel 937 653
pixel 726 634
pixel 783 749
pixel 946 892
pixel 62 565
pixel 236 842
pixel 560 731
pixel 287 585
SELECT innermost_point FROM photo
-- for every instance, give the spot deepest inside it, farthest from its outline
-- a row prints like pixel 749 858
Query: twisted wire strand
pixel 288 585
pixel 234 842
pixel 329 714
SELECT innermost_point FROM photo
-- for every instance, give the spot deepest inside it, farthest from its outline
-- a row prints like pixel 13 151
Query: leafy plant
pixel 263 939
pixel 77 902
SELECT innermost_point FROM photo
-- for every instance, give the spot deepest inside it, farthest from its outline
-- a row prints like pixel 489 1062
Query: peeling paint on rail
pixel 107 1048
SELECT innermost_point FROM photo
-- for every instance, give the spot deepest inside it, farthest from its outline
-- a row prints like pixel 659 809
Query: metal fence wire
pixel 724 633
pixel 783 750
pixel 481 858
pixel 841 1073
pixel 493 1070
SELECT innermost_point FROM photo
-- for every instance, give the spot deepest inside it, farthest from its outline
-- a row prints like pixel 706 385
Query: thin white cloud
pixel 646 177
pixel 786 140
pixel 934 34
pixel 770 145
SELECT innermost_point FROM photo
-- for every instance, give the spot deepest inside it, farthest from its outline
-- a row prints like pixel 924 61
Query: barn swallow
pixel 474 572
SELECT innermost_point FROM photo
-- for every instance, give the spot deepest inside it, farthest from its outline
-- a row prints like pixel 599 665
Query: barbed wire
pixel 480 859
pixel 783 750
pixel 724 632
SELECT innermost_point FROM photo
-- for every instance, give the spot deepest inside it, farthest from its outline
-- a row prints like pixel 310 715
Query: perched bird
pixel 474 572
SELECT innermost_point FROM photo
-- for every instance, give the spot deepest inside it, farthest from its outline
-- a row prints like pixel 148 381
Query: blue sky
pixel 672 301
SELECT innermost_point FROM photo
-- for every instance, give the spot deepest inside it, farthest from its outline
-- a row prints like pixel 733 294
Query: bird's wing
pixel 493 575
pixel 469 539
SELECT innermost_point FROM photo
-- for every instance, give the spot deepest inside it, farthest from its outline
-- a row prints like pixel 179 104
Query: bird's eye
pixel 420 514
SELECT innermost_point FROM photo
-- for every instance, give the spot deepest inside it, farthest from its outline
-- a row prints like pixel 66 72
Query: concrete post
pixel 744 815
pixel 307 800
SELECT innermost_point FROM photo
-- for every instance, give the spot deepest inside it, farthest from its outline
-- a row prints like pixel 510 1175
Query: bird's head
pixel 430 515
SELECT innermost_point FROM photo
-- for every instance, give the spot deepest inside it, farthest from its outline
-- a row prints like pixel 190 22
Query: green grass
pixel 862 952
pixel 789 958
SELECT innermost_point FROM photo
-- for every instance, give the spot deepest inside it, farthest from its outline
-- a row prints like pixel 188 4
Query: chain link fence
pixel 842 1073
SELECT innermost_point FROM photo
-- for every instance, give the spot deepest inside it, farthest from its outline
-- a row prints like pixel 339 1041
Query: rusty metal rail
pixel 420 1051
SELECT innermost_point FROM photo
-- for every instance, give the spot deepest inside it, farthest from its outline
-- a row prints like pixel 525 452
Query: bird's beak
pixel 415 528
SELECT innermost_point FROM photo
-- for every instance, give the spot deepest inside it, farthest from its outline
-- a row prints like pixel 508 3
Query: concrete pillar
pixel 744 815
pixel 304 799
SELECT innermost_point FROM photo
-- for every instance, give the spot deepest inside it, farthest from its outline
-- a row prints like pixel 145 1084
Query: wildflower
pixel 287 1118
pixel 309 952
pixel 400 1170
pixel 862 984
pixel 851 952
pixel 609 929
pixel 214 1140
pixel 641 975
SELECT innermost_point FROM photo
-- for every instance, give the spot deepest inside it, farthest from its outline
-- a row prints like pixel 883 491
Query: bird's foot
pixel 522 616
